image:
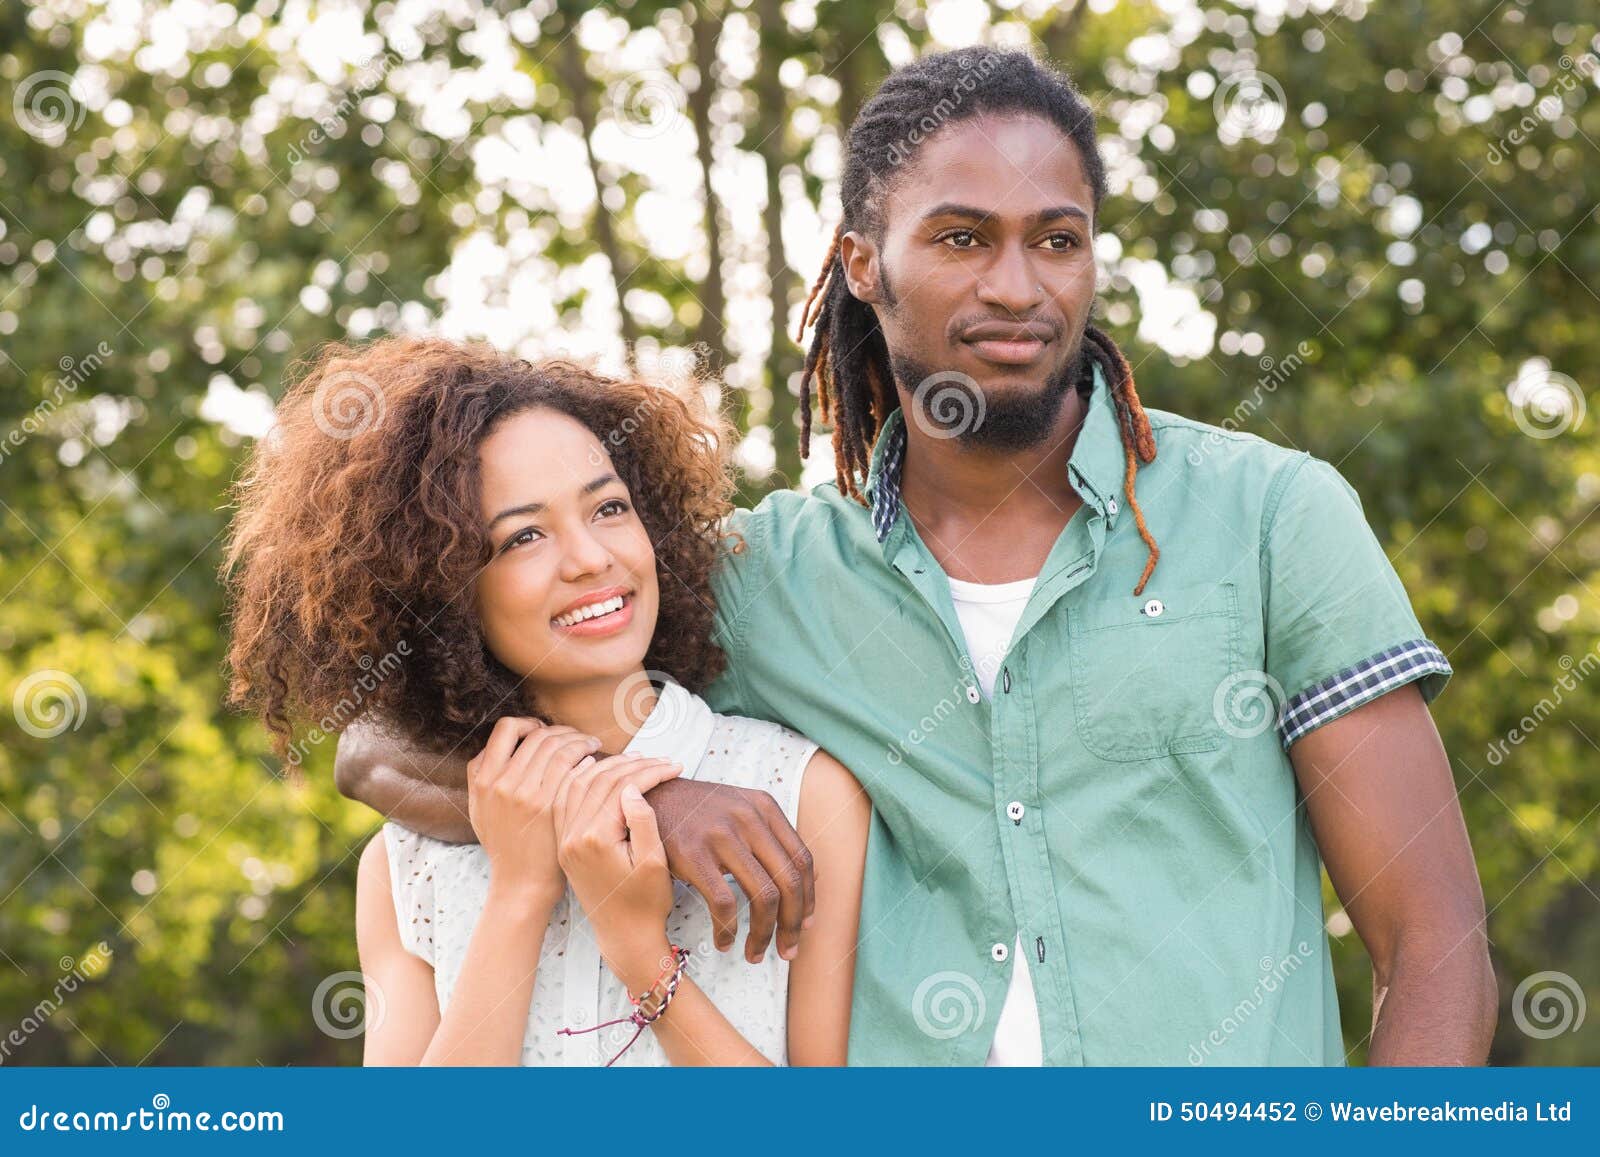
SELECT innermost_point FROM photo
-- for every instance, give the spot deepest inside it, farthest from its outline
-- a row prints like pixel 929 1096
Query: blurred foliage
pixel 187 204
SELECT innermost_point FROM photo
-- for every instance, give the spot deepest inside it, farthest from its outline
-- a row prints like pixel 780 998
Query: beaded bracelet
pixel 649 1005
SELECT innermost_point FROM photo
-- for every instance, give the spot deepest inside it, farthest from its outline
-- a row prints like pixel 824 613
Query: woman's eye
pixel 612 506
pixel 521 538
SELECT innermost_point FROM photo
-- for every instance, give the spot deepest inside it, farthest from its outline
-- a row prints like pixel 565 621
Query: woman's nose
pixel 585 554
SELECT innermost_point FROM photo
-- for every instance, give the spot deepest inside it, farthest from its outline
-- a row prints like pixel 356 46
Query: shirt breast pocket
pixel 1146 669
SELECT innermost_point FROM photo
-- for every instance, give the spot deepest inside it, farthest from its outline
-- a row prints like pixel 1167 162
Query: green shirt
pixel 1125 802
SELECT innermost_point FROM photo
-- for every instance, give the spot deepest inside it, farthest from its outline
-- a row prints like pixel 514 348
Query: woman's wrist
pixel 530 900
pixel 637 960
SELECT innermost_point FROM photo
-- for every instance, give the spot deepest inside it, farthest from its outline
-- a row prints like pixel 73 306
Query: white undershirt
pixel 988 614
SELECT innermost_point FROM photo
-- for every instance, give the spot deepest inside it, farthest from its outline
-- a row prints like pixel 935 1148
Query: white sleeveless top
pixel 440 889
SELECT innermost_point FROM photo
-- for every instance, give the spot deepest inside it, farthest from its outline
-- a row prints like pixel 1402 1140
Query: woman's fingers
pixel 602 785
pixel 508 732
pixel 644 837
pixel 542 756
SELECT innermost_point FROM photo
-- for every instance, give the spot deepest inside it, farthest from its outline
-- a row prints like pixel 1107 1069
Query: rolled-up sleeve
pixel 1340 628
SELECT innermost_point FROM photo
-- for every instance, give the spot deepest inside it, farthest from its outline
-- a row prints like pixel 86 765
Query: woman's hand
pixel 511 790
pixel 611 851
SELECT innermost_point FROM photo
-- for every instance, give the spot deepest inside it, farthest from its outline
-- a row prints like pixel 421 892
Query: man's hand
pixel 713 829
pixel 710 830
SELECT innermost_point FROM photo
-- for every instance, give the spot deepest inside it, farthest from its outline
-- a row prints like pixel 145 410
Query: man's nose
pixel 1010 282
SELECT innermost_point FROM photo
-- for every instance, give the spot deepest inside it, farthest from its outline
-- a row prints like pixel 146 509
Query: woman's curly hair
pixel 359 537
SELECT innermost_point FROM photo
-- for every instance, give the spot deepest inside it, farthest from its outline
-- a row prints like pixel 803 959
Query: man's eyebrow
pixel 535 507
pixel 980 216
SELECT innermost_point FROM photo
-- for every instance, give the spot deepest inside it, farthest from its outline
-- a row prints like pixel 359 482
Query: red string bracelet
pixel 648 1005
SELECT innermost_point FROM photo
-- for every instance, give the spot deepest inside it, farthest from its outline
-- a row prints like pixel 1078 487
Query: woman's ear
pixel 858 255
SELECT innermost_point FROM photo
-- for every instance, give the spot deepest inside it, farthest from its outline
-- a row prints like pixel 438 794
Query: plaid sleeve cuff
pixel 1326 701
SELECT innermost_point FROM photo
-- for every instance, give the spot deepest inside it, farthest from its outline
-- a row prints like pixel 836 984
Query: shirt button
pixel 999 953
pixel 1014 809
pixel 1154 607
pixel 1005 679
pixel 1111 506
pixel 973 695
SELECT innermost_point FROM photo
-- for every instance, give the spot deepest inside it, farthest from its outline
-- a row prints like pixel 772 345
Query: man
pixel 1050 633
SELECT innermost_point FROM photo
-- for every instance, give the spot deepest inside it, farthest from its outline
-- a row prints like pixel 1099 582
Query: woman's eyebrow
pixel 535 507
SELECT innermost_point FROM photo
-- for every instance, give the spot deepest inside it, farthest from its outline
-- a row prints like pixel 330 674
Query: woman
pixel 514 559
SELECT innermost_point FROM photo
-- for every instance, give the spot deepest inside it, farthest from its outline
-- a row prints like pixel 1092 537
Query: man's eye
pixel 962 238
pixel 1061 241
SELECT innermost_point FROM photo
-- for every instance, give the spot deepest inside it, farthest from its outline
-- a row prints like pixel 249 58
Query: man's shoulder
pixel 1224 455
pixel 788 526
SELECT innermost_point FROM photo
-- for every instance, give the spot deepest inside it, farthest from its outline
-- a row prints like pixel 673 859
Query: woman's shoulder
pixel 756 753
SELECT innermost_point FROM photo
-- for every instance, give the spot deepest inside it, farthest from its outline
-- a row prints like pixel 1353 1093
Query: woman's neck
pixel 611 709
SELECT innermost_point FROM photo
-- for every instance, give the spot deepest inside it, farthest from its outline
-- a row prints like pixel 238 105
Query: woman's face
pixel 569 593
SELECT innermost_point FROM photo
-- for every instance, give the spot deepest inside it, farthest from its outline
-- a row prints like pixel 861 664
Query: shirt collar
pixel 1096 468
pixel 678 728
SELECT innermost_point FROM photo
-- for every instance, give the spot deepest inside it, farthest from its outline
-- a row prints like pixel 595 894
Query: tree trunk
pixel 579 88
pixel 711 332
pixel 783 362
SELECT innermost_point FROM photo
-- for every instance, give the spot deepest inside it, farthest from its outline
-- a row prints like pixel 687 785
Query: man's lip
pixel 598 596
pixel 1009 352
pixel 1009 331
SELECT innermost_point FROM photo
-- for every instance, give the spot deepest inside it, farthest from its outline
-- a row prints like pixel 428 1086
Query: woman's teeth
pixel 592 611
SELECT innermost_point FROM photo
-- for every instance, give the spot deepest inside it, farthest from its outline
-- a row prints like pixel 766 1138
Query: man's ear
pixel 858 255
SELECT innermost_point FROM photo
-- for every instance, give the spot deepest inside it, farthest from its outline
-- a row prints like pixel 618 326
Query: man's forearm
pixel 426 793
pixel 1436 1004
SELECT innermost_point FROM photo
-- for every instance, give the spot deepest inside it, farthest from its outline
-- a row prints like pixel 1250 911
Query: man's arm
pixel 710 830
pixel 425 792
pixel 1384 811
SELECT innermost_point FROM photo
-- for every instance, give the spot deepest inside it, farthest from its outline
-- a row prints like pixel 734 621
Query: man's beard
pixel 951 405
